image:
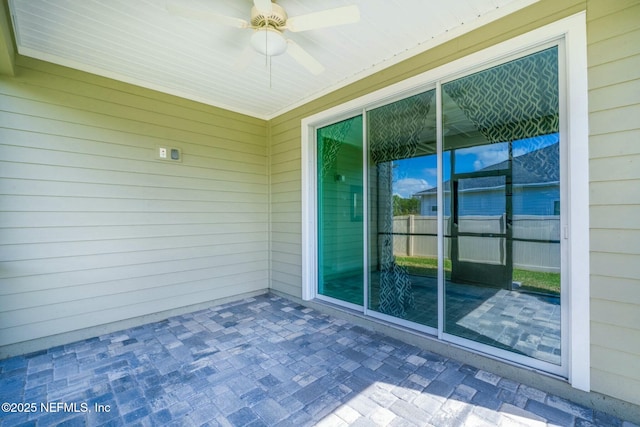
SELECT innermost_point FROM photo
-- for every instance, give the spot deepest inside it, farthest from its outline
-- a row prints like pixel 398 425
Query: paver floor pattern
pixel 268 361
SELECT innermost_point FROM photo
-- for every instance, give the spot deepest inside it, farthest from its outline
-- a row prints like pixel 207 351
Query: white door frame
pixel 574 131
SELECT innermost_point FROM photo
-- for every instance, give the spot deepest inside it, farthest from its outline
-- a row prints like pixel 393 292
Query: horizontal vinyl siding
pixel 94 229
pixel 286 226
pixel 614 103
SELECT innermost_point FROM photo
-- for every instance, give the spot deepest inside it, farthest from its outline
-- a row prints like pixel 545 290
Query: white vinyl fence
pixel 417 236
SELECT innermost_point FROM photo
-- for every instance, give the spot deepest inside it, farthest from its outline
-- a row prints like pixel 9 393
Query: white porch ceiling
pixel 140 42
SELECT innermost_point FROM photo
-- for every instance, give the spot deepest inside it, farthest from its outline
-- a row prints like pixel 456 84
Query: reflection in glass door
pixel 501 133
pixel 452 228
pixel 340 211
pixel 403 259
pixel 481 232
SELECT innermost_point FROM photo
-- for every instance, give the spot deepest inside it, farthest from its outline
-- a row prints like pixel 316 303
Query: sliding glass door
pixel 440 210
pixel 501 133
pixel 403 246
pixel 340 211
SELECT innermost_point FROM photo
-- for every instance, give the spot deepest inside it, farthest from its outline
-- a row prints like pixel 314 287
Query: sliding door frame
pixel 310 184
pixel 398 96
pixel 570 33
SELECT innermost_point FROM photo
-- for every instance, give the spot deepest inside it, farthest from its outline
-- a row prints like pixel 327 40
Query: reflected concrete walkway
pixel 267 361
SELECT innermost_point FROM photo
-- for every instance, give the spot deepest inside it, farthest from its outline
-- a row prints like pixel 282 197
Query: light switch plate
pixel 168 154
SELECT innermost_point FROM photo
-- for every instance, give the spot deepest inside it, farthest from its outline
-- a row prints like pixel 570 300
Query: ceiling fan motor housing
pixel 276 18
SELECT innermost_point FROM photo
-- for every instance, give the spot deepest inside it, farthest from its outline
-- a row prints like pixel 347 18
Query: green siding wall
pixel 286 188
pixel 94 229
pixel 614 104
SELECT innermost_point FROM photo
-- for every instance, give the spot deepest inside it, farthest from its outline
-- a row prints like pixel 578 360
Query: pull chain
pixel 267 57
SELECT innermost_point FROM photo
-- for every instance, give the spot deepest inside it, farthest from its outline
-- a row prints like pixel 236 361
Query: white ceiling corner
pixel 140 42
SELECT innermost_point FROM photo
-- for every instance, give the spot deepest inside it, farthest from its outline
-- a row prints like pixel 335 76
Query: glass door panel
pixel 403 258
pixel 501 202
pixel 340 211
pixel 502 190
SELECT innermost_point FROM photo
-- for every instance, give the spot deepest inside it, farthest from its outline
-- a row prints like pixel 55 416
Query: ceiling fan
pixel 268 22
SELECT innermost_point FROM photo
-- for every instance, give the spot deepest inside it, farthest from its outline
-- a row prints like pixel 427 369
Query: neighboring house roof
pixel 536 167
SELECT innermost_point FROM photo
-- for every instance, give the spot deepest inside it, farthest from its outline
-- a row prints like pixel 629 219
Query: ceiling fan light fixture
pixel 268 41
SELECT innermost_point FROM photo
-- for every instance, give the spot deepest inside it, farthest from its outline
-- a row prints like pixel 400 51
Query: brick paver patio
pixel 266 361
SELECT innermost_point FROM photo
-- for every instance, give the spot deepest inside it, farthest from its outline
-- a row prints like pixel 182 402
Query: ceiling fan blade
pixel 303 58
pixel 203 15
pixel 326 18
pixel 263 6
